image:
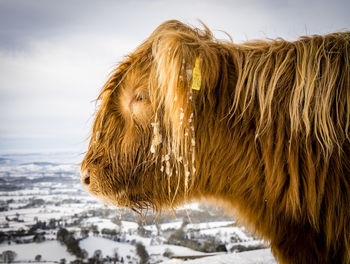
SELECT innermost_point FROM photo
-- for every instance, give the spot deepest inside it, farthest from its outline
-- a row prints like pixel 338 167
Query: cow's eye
pixel 141 96
pixel 139 107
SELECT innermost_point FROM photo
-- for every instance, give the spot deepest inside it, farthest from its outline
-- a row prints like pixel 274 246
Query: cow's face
pixel 142 147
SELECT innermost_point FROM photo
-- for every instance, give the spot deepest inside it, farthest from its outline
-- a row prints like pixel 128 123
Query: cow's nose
pixel 85 178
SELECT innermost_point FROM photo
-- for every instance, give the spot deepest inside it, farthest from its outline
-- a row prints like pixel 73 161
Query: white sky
pixel 56 55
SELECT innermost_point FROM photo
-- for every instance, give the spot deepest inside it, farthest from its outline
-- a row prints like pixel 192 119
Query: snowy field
pixel 46 216
pixel 262 256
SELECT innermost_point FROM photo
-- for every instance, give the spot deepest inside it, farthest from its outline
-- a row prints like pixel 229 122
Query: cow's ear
pixel 184 68
pixel 184 65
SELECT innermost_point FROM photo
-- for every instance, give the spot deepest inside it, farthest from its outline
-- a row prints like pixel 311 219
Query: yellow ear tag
pixel 196 76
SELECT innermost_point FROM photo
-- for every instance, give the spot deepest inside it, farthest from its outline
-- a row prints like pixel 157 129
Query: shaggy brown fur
pixel 267 134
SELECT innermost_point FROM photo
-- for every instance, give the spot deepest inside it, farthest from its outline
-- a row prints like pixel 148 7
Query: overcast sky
pixel 56 55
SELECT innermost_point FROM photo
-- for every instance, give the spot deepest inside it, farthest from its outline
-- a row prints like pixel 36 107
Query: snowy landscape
pixel 47 217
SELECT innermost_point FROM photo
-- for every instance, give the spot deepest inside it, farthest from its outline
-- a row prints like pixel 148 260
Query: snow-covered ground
pixel 49 251
pixel 262 256
pixel 40 195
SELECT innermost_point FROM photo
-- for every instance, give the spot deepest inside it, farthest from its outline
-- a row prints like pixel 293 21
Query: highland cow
pixel 261 127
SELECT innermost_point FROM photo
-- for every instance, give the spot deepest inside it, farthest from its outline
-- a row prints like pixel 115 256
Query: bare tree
pixel 142 252
pixel 38 258
pixel 9 256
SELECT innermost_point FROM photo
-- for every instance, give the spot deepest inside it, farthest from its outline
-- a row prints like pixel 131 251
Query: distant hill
pixel 40 163
pixel 4 161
